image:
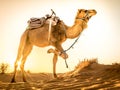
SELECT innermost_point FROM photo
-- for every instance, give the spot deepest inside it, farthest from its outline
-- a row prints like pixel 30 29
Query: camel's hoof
pixel 55 76
pixel 13 81
pixel 24 80
pixel 59 78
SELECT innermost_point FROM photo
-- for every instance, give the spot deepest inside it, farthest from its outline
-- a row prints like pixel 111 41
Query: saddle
pixel 35 23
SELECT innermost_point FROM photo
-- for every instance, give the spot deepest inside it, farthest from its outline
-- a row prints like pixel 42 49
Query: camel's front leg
pixel 59 50
pixel 54 64
pixel 62 54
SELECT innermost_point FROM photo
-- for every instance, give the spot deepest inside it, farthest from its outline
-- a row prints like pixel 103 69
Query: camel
pixel 59 34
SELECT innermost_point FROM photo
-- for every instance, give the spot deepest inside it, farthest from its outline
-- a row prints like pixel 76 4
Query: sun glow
pixel 19 63
pixel 99 40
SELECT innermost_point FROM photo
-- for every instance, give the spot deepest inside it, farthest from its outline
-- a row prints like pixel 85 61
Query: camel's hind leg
pixel 23 43
pixel 27 49
pixel 15 66
pixel 26 52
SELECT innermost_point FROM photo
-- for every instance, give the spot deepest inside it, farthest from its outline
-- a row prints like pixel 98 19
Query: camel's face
pixel 85 14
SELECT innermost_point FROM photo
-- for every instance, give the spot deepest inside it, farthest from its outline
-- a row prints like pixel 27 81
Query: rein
pixel 72 44
pixel 83 19
pixel 69 49
pixel 75 39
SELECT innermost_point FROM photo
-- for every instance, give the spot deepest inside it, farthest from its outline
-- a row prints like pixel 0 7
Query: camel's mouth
pixel 92 12
pixel 85 14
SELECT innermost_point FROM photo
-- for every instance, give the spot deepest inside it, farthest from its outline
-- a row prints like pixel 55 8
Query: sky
pixel 100 40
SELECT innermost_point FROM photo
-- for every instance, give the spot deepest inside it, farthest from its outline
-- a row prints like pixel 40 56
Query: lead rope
pixel 69 49
pixel 72 44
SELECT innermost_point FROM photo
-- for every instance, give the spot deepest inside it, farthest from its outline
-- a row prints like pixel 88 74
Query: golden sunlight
pixel 99 40
pixel 19 62
pixel 94 55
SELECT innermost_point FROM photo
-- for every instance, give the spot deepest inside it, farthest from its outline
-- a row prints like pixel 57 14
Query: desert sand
pixel 87 75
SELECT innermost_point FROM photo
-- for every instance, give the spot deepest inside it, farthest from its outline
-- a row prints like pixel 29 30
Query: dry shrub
pixel 3 68
pixel 85 63
pixel 115 67
pixel 28 71
pixel 81 66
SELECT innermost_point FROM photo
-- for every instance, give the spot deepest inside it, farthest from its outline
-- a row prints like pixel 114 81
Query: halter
pixel 87 15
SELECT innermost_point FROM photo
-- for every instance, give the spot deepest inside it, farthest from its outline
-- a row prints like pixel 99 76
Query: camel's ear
pixel 79 10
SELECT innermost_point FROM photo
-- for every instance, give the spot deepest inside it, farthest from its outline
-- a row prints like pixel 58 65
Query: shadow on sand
pixel 20 86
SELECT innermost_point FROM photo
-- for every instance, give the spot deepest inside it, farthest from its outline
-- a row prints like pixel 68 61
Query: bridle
pixel 86 16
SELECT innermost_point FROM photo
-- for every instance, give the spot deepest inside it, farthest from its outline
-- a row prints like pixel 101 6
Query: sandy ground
pixel 86 76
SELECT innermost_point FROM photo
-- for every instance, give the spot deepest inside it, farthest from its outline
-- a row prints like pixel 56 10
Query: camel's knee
pixel 53 51
pixel 63 55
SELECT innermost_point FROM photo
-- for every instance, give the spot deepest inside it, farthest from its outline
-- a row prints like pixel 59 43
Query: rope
pixel 66 63
pixel 69 49
pixel 72 44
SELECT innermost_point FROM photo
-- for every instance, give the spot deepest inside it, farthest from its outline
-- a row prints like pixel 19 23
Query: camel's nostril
pixel 95 11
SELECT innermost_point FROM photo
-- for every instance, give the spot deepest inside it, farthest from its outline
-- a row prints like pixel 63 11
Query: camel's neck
pixel 76 29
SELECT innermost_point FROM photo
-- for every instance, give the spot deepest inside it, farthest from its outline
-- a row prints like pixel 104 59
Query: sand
pixel 86 76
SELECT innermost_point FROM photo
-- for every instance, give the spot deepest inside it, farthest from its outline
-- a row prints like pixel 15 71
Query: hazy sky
pixel 100 40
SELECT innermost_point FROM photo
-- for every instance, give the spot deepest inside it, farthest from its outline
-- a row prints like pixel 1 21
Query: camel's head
pixel 85 14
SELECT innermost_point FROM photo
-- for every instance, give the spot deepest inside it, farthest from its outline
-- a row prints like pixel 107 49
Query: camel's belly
pixel 38 38
pixel 40 42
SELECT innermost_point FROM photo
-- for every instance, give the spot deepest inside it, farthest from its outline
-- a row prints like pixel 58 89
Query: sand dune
pixel 88 75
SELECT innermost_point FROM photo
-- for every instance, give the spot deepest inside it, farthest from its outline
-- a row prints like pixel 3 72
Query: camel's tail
pixel 22 44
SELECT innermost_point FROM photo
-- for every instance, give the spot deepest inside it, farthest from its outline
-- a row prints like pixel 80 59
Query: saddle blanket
pixel 34 23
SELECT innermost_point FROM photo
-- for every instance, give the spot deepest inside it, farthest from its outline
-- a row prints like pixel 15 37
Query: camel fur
pixel 59 34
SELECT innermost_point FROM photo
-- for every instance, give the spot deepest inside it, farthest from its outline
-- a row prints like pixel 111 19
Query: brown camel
pixel 59 34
